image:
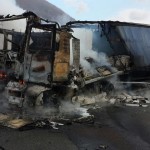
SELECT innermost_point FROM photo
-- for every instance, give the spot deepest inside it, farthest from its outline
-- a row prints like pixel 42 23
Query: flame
pixel 22 82
pixel 3 75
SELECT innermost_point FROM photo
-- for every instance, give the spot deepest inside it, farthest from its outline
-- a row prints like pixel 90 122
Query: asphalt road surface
pixel 114 128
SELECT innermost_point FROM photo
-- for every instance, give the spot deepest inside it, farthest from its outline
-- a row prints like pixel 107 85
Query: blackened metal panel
pixel 76 53
pixel 114 39
pixel 40 41
pixel 137 42
pixel 100 43
pixel 16 38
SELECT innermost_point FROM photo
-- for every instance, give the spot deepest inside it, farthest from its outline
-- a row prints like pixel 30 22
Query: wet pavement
pixel 114 128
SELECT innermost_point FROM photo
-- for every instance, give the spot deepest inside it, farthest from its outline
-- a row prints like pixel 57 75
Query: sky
pixel 123 10
pixel 137 11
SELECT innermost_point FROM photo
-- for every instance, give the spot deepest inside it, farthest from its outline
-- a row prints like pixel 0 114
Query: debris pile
pixel 27 121
pixel 130 100
pixel 121 62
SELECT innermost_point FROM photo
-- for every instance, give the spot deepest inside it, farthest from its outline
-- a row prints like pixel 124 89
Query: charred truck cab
pixel 43 65
pixel 39 51
pixel 46 64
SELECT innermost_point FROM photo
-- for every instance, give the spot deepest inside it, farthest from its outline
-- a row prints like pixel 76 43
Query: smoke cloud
pixel 85 36
pixel 45 9
pixel 9 7
pixel 79 5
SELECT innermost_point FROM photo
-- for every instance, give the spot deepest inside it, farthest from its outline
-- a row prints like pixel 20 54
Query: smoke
pixel 85 36
pixel 79 5
pixel 45 9
pixel 9 7
pixel 64 110
pixel 68 108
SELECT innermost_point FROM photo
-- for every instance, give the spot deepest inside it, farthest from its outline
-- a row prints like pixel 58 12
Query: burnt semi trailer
pixel 117 39
pixel 54 63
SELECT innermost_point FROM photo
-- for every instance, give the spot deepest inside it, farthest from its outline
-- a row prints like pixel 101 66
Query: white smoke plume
pixel 79 5
pixel 70 109
pixel 85 37
pixel 8 7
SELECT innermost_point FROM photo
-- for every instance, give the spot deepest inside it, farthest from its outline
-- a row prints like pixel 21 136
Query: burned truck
pixel 46 69
pixel 53 64
pixel 37 66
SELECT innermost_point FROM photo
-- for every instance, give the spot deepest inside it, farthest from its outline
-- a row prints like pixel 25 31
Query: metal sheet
pixel 137 42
